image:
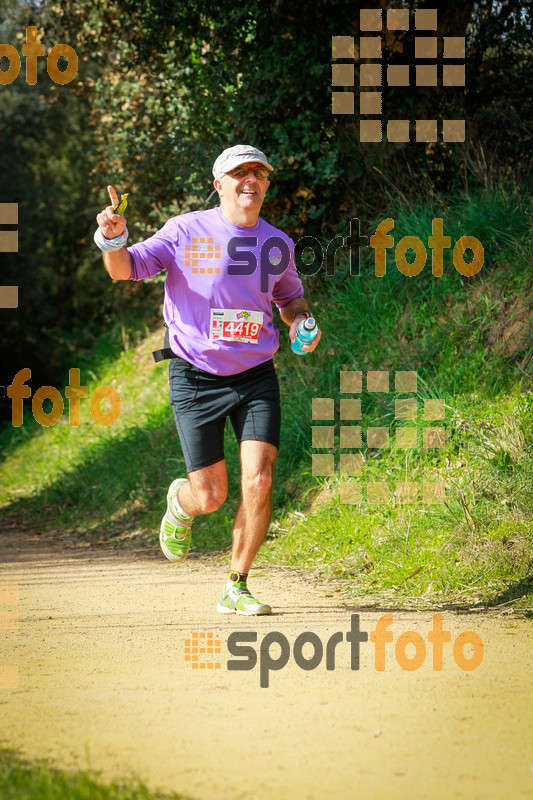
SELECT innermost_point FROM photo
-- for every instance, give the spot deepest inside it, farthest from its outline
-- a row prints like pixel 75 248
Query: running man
pixel 220 341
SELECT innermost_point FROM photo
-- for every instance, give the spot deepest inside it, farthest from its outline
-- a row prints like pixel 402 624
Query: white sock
pixel 178 509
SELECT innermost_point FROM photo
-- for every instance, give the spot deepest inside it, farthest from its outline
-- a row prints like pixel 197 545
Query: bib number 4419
pixel 248 329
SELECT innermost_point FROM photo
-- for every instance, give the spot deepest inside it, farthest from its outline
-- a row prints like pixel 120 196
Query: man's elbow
pixel 119 269
pixel 119 275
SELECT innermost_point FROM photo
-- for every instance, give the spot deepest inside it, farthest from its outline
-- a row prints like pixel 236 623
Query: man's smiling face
pixel 242 192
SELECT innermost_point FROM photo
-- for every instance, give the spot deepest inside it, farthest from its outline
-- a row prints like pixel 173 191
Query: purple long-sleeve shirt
pixel 193 248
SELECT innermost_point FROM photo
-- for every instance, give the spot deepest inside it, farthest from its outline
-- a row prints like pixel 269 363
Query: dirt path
pixel 103 682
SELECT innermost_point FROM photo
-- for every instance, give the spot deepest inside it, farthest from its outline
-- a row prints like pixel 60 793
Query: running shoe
pixel 175 535
pixel 236 598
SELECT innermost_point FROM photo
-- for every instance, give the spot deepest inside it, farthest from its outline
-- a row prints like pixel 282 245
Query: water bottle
pixel 305 333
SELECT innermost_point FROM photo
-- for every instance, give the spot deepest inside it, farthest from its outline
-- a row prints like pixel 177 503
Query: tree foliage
pixel 163 86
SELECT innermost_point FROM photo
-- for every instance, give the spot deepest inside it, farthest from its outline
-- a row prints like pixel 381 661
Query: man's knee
pixel 209 498
pixel 209 488
pixel 257 460
pixel 259 482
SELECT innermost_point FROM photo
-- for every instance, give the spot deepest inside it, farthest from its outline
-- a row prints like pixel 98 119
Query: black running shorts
pixel 202 402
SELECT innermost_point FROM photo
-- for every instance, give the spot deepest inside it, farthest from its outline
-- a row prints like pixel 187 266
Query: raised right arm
pixel 117 263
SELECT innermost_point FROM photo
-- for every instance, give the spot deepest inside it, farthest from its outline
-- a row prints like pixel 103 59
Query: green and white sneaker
pixel 175 534
pixel 236 598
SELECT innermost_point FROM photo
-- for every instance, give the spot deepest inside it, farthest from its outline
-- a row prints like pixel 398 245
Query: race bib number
pixel 235 325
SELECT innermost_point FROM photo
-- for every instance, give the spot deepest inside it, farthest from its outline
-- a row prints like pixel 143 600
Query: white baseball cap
pixel 232 157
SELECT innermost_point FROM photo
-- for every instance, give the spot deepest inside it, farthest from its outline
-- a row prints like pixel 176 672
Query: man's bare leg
pixel 205 490
pixel 202 493
pixel 255 511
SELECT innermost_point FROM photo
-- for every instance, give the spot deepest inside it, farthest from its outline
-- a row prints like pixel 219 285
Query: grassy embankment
pixel 22 780
pixel 470 342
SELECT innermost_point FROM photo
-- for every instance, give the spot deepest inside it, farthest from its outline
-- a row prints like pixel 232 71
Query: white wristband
pixel 110 245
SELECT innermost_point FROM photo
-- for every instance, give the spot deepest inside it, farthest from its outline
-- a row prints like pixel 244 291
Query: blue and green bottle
pixel 305 333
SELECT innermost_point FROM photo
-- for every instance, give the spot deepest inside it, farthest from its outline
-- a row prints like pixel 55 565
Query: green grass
pixel 105 483
pixel 22 780
pixel 470 342
pixel 476 548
